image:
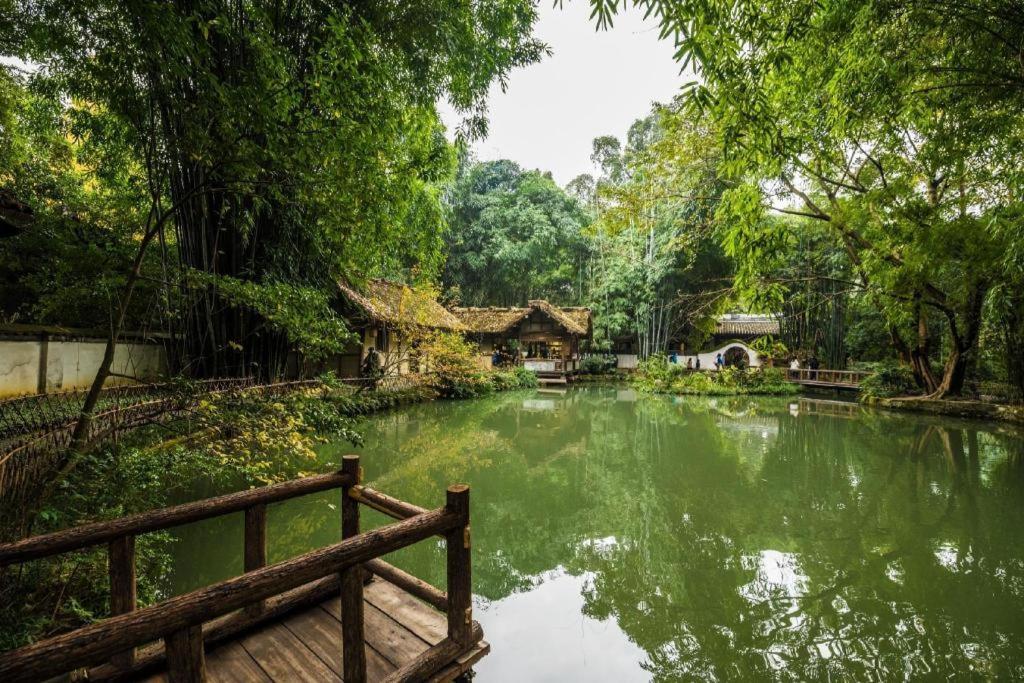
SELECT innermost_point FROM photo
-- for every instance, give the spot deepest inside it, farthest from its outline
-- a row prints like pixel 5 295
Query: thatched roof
pixel 396 304
pixel 491 320
pixel 497 320
pixel 582 316
pixel 562 316
pixel 746 325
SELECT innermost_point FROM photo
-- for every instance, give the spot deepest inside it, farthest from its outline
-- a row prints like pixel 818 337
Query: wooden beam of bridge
pixel 835 379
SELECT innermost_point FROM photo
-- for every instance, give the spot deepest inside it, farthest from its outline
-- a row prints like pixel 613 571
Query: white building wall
pixel 72 364
pixel 19 367
pixel 707 360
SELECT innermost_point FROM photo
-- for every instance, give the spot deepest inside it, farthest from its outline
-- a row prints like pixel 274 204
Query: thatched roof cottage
pixel 382 312
pixel 540 333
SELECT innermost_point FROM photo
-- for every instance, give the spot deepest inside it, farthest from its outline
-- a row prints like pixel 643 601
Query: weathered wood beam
pixel 255 542
pixel 186 658
pixel 155 520
pixel 460 582
pixel 433 659
pixel 123 596
pixel 410 584
pixel 150 658
pixel 381 502
pixel 353 645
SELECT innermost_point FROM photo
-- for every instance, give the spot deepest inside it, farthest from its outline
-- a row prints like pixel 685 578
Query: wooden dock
pixel 337 613
pixel 303 646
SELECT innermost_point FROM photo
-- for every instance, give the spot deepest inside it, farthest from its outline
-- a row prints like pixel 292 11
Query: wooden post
pixel 121 568
pixel 352 645
pixel 186 662
pixel 255 547
pixel 460 579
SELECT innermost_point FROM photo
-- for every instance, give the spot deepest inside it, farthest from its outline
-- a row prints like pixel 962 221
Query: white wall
pixel 628 361
pixel 19 367
pixel 707 360
pixel 72 364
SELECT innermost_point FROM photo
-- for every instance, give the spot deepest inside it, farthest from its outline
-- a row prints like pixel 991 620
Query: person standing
pixel 719 362
pixel 371 369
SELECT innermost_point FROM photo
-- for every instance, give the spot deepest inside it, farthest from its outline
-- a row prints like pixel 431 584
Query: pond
pixel 620 537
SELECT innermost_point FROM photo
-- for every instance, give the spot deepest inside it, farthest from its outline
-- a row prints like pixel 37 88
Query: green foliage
pixel 514 236
pixel 56 594
pixel 71 165
pixel 658 268
pixel 893 126
pixel 769 347
pixel 454 371
pixel 658 375
pixel 287 144
pixel 889 380
pixel 598 365
pixel 303 314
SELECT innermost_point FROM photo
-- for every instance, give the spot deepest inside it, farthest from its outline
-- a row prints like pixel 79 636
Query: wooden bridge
pixel 337 613
pixel 828 379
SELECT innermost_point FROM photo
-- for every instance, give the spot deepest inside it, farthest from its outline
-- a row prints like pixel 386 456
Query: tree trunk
pixel 953 375
pixel 963 346
pixel 81 432
pixel 1013 339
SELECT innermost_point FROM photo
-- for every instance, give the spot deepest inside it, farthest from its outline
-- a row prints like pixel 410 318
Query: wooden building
pixel 543 337
pixel 386 316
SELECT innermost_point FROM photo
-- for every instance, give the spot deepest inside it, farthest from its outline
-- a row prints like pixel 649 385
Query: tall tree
pixel 660 273
pixel 284 142
pixel 514 236
pixel 895 124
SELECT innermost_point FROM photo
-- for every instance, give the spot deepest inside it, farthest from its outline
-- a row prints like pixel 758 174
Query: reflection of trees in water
pixel 730 539
pixel 859 548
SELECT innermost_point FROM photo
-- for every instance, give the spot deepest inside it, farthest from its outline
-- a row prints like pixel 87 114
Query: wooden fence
pixel 264 593
pixel 35 430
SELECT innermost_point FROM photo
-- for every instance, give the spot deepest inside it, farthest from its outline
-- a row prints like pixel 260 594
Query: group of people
pixel 693 362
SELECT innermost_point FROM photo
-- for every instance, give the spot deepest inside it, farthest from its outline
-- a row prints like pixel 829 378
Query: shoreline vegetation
pixel 658 375
pixel 963 408
pixel 892 387
pixel 234 440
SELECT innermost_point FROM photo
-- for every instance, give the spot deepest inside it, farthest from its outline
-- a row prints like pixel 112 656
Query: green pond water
pixel 620 537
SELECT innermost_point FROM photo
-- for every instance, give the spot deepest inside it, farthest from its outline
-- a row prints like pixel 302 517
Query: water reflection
pixel 623 537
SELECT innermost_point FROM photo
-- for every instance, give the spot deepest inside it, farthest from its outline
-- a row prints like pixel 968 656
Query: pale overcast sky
pixel 595 83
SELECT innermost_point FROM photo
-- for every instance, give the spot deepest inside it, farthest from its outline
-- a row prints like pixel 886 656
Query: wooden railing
pixel 557 364
pixel 846 378
pixel 186 622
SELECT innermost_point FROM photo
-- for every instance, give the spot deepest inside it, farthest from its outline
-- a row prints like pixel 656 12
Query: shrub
pixel 888 381
pixel 658 375
pixel 515 378
pixel 598 365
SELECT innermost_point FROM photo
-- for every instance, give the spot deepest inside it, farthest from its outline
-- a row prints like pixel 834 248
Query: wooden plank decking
pixel 306 645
